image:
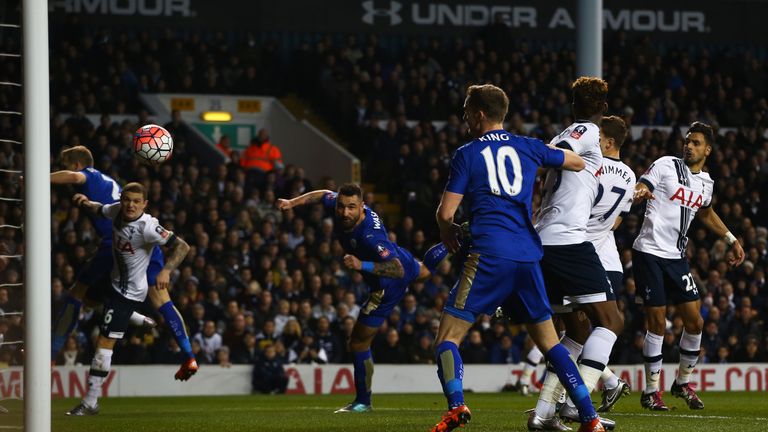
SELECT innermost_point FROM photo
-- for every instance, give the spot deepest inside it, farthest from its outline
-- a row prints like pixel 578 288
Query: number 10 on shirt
pixel 497 170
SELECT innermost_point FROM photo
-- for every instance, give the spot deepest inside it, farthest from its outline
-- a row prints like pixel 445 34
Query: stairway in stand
pixel 388 207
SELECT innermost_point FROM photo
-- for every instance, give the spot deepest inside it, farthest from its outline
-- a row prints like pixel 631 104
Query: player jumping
pixel 135 234
pixel 98 187
pixel 387 270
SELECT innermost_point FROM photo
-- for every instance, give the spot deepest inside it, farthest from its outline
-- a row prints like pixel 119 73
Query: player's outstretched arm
pixel 179 250
pixel 712 221
pixel 389 269
pixel 572 161
pixel 83 202
pixel 642 193
pixel 67 177
pixel 307 198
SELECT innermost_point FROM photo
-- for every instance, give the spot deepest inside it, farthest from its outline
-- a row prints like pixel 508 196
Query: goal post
pixel 37 217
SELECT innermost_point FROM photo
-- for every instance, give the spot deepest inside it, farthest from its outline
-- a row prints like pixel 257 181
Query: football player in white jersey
pixel 614 199
pixel 134 235
pixel 677 190
pixel 572 270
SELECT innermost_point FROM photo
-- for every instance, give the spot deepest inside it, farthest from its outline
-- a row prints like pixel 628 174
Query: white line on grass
pixel 691 416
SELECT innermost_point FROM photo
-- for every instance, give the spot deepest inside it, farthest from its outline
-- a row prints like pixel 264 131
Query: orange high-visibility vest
pixel 262 157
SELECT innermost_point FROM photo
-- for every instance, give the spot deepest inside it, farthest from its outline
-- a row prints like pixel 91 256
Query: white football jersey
pixel 132 244
pixel 614 198
pixel 679 195
pixel 567 196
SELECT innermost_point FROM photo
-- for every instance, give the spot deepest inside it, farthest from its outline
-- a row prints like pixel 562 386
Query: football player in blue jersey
pixel 496 173
pixel 387 270
pixel 96 186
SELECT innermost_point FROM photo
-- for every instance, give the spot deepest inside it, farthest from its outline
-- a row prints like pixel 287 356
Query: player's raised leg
pixel 161 300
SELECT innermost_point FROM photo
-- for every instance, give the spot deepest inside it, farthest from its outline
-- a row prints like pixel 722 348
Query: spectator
pixel 268 373
pixel 504 352
pixel 71 355
pixel 224 146
pixel 307 350
pixel 248 353
pixel 391 351
pixel 262 155
pixel 423 353
pixel 473 350
pixel 210 342
pixel 222 357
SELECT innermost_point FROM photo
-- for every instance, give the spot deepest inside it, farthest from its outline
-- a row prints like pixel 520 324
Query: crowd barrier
pixel 157 380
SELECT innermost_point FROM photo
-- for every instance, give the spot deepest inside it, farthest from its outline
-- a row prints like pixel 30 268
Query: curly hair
pixel 589 96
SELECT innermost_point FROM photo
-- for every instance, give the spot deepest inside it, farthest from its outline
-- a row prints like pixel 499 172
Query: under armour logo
pixel 371 12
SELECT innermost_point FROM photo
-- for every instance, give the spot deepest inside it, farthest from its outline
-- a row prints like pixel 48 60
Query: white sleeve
pixel 628 197
pixel 578 138
pixel 155 234
pixel 655 173
pixel 110 211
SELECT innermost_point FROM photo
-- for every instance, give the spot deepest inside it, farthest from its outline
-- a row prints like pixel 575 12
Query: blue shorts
pixel 575 275
pixel 381 302
pixel 488 282
pixel 662 281
pixel 100 266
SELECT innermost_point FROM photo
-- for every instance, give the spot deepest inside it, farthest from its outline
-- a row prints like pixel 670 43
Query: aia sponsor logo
pixel 688 198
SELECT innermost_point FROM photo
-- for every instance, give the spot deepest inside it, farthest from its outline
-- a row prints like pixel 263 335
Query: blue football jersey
pixel 101 188
pixel 368 241
pixel 496 174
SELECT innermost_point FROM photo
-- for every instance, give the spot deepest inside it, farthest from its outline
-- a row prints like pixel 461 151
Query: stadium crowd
pixel 260 285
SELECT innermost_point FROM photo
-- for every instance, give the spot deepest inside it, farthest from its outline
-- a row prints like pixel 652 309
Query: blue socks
pixel 363 363
pixel 450 370
pixel 568 373
pixel 176 323
pixel 434 256
pixel 65 324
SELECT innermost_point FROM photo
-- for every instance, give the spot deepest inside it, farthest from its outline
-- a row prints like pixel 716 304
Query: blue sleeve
pixel 382 247
pixel 85 188
pixel 548 157
pixel 458 178
pixel 329 200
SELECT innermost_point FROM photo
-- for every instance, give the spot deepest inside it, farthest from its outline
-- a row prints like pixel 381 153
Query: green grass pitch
pixel 740 412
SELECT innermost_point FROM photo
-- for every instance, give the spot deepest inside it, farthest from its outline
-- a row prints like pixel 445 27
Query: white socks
pixel 552 390
pixel 100 365
pixel 652 354
pixel 610 380
pixel 136 319
pixel 595 356
pixel 690 345
pixel 531 361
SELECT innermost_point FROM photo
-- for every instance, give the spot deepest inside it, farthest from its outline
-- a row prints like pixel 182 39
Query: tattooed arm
pixel 179 250
pixel 389 269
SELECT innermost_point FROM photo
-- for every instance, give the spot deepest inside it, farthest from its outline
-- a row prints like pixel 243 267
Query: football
pixel 152 144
